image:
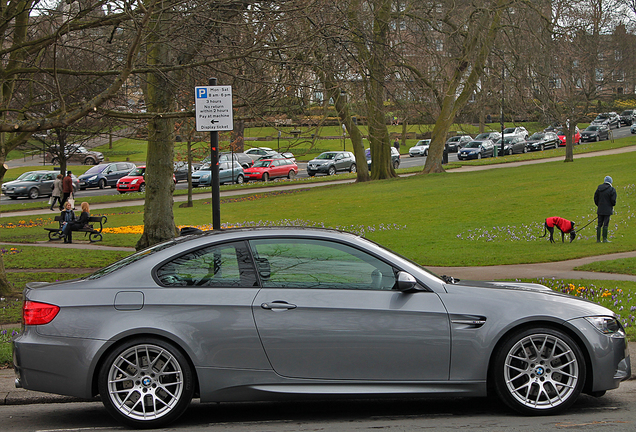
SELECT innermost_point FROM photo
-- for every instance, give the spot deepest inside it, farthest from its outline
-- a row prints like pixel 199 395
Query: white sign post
pixel 213 106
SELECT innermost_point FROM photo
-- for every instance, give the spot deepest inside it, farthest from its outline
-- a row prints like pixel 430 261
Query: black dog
pixel 563 225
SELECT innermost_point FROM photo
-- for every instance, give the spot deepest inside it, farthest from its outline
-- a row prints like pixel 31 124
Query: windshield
pixel 32 177
pixel 96 169
pixel 601 117
pixel 262 163
pixel 537 136
pixel 24 175
pixel 423 143
pixel 509 130
pixel 483 136
pixel 627 112
pixel 473 144
pixel 326 156
pixel 453 139
pixel 137 172
pixel 592 128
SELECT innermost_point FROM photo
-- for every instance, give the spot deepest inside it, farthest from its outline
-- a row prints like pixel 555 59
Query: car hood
pixel 320 161
pixel 507 285
pixel 19 183
pixel 130 178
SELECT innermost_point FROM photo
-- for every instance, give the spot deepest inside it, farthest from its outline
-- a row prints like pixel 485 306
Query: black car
pixel 455 143
pixel 477 150
pixel 595 133
pixel 542 140
pixel 627 117
pixel 608 119
pixel 513 144
pixel 330 162
pixel 105 175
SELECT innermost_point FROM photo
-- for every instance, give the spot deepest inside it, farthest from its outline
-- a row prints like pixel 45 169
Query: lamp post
pixel 278 145
pixel 503 81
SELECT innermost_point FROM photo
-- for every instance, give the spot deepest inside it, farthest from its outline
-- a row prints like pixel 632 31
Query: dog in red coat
pixel 563 225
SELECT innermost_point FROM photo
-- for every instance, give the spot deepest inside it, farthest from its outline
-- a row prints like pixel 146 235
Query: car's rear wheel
pixel 353 168
pixel 34 193
pixel 539 371
pixel 146 382
pixel 265 177
pixel 142 187
pixel 396 165
pixel 102 184
pixel 240 179
pixel 331 171
pixel 291 174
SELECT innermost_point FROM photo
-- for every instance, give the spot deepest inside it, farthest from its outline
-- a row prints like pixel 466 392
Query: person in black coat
pixel 75 224
pixel 605 200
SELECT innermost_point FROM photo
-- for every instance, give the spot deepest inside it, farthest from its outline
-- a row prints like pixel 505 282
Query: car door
pixel 330 311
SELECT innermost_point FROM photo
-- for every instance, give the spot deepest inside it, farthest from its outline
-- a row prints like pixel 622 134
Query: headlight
pixel 134 181
pixel 607 325
pixel 92 178
pixel 205 177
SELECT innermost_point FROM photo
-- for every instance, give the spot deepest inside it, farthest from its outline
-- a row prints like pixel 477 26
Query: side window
pixel 308 263
pixel 227 265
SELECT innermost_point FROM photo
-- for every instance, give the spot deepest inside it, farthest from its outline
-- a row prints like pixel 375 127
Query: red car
pixel 576 138
pixel 265 169
pixel 135 181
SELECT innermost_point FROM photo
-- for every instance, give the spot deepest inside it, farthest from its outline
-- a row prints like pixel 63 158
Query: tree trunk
pixel 569 142
pixel 159 223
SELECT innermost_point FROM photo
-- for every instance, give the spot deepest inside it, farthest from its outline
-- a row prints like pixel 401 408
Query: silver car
pixel 266 313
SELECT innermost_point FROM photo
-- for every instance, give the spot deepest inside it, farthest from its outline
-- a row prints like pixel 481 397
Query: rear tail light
pixel 35 313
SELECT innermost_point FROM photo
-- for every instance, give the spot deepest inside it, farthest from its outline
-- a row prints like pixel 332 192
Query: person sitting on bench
pixel 75 224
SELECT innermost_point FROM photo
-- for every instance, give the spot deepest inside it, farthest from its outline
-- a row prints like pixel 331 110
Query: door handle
pixel 278 305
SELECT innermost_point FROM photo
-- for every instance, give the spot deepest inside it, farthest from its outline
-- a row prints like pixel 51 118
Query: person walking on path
pixel 396 144
pixel 67 187
pixel 605 200
pixel 57 192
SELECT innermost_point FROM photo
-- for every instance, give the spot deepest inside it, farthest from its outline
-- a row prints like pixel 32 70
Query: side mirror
pixel 405 281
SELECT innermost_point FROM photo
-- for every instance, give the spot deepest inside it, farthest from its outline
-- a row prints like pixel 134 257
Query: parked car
pixel 74 153
pixel 542 140
pixel 33 184
pixel 455 143
pixel 203 177
pixel 627 117
pixel 513 144
pixel 476 150
pixel 331 162
pixel 135 180
pixel 595 133
pixel 266 169
pixel 244 159
pixel 180 171
pixel 519 130
pixel 276 155
pixel 257 152
pixel 576 138
pixel 492 135
pixel 609 119
pixel 270 313
pixel 105 175
pixel 632 128
pixel 395 157
pixel 420 148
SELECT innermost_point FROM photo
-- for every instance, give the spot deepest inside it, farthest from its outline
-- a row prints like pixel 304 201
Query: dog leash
pixel 588 223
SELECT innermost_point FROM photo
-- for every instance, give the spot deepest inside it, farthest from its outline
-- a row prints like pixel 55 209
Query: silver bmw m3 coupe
pixel 265 313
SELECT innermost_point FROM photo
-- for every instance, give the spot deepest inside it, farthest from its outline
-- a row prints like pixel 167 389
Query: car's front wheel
pixel 396 165
pixel 102 183
pixel 331 171
pixel 353 168
pixel 146 383
pixel 265 177
pixel 142 187
pixel 34 193
pixel 539 371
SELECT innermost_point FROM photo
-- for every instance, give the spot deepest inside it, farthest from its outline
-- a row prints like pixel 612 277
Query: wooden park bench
pixel 94 234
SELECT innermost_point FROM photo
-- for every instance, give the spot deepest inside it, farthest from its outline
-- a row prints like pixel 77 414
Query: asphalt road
pixel 616 411
pixel 405 162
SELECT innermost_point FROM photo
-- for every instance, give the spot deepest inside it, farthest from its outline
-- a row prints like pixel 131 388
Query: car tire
pixel 597 139
pixel 142 187
pixel 509 152
pixel 426 152
pixel 265 177
pixel 542 147
pixel 34 193
pixel 478 155
pixel 291 174
pixel 90 161
pixel 525 149
pixel 353 168
pixel 311 174
pixel 396 165
pixel 131 373
pixel 101 184
pixel 331 171
pixel 538 371
pixel 240 179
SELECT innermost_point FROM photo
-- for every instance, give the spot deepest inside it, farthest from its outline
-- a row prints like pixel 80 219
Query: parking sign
pixel 213 105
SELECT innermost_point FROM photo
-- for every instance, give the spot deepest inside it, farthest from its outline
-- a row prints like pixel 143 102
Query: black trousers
pixel 603 220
